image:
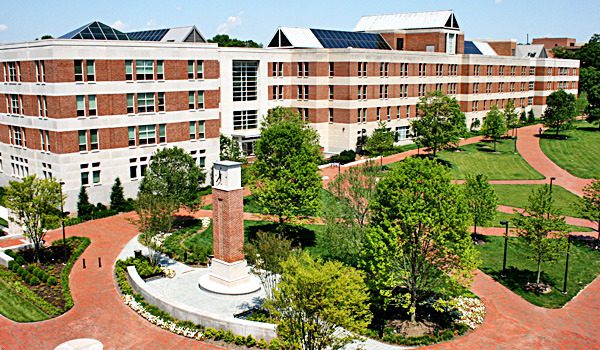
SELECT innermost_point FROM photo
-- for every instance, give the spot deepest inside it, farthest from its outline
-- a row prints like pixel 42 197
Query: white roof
pixel 533 51
pixel 485 48
pixel 179 34
pixel 301 37
pixel 399 21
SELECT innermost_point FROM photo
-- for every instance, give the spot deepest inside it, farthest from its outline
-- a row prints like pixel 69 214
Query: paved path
pixel 99 311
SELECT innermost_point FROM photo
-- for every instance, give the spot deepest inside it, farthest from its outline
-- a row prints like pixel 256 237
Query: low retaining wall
pixel 184 312
pixel 4 259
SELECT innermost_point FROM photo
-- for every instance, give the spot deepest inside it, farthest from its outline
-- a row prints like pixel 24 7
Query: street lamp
pixel 505 223
pixel 62 222
pixel 516 135
pixel 567 264
pixel 551 181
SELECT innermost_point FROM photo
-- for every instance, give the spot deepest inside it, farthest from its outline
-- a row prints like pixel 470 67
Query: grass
pixel 518 196
pixel 479 158
pixel 579 153
pixel 584 266
pixel 16 303
pixel 500 216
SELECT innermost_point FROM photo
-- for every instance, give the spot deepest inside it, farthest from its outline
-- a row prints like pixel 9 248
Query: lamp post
pixel 505 223
pixel 516 135
pixel 62 222
pixel 567 264
pixel 551 181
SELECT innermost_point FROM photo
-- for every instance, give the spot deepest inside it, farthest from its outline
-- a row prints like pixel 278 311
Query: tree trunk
pixel 494 144
pixel 539 270
pixel 413 306
pixel 475 226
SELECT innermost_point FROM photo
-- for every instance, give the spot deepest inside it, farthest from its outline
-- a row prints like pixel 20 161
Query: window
pixel 330 115
pixel 476 70
pixel 201 130
pixel 401 133
pixel 96 176
pixel 331 94
pixel 162 133
pixel 80 106
pixel 303 113
pixel 452 89
pixel 475 106
pixel 14 71
pixel 398 112
pixel 404 90
pixel 16 136
pixel 128 70
pixel 362 115
pixel 191 100
pixel 407 111
pixel 147 134
pixel 522 86
pixel 362 92
pixel 378 113
pixel 42 106
pixel 160 70
pixel 78 70
pixel 303 92
pixel 530 101
pixel 92 105
pixel 130 104
pixel 277 69
pixel 144 69
pixel 501 87
pixel 245 80
pixel 422 69
pixel 40 71
pixel 47 170
pixel 145 102
pixel 512 87
pixel 90 70
pixel 438 87
pixel 302 69
pixel 196 100
pixel 389 114
pixel 243 120
pixel 399 43
pixel 85 178
pixel 523 70
pixel 161 101
pixel 422 90
pixel 475 88
pixel 453 69
pixel 131 135
pixel 439 69
pixel 403 69
pixel 362 69
pixel 94 144
pixel 199 69
pixel 484 105
pixel 384 68
pixel 133 174
pixel 513 70
pixel 501 70
pixel 531 85
pixel 531 70
pixel 83 140
pixel 45 140
pixel 277 92
pixel 331 69
pixel 489 70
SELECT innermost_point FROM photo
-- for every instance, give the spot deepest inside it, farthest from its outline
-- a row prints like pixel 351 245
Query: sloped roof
pixel 95 31
pixel 475 47
pixel 411 20
pixel 328 39
pixel 532 51
pixel 177 34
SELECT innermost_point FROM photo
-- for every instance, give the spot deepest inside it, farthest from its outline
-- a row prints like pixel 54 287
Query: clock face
pixel 220 177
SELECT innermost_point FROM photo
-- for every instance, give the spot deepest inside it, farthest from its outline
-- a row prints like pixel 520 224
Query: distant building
pixel 96 103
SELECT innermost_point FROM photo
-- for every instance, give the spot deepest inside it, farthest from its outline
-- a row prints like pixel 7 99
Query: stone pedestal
pixel 229 273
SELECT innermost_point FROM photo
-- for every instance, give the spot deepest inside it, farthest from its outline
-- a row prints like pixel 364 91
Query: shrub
pixel 10 253
pixel 20 260
pixel 219 334
pixel 228 337
pixel 210 333
pixel 51 281
pixel 22 272
pixel 239 340
pixel 274 344
pixel 262 344
pixel 31 268
pixel 12 265
pixel 250 341
pixel 34 281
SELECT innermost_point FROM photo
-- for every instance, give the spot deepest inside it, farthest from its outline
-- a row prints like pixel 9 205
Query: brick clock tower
pixel 229 272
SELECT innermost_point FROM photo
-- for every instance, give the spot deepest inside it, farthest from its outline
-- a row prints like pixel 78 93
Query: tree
pixel 381 140
pixel 481 199
pixel 542 229
pixel 155 216
pixel 530 116
pixel 225 41
pixel 314 299
pixel 117 197
pixel 560 113
pixel 35 204
pixel 231 150
pixel 494 125
pixel 475 124
pixel 84 208
pixel 589 205
pixel 523 117
pixel 266 253
pixel 511 115
pixel 589 83
pixel 285 174
pixel 419 240
pixel 441 123
pixel 346 213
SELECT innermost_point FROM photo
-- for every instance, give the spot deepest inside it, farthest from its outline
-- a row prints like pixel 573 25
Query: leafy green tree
pixel 511 115
pixel 441 123
pixel 494 125
pixel 381 141
pixel 265 254
pixel 419 242
pixel 523 117
pixel 530 116
pixel 542 228
pixel 560 113
pixel 285 175
pixel 34 203
pixel 155 216
pixel 475 124
pixel 117 197
pixel 313 299
pixel 231 150
pixel 481 199
pixel 346 213
pixel 589 83
pixel 85 209
pixel 225 41
pixel 589 205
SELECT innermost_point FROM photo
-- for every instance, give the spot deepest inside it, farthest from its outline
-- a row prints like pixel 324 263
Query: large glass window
pixel 131 135
pixel 144 70
pixel 82 140
pixel 90 70
pixel 130 104
pixel 245 74
pixel 78 70
pixel 162 133
pixel 94 144
pixel 147 134
pixel 128 70
pixel 243 120
pixel 80 106
pixel 92 105
pixel 160 70
pixel 145 102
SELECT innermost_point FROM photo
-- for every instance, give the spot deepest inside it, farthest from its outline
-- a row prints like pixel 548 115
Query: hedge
pixel 84 242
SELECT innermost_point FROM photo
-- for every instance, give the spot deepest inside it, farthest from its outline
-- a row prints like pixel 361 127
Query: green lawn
pixel 479 158
pixel 518 196
pixel 579 153
pixel 584 266
pixel 16 303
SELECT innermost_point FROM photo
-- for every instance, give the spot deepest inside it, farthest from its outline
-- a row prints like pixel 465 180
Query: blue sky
pixel 246 19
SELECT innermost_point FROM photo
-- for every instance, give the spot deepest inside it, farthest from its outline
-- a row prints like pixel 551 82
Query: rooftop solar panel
pixel 471 48
pixel 149 35
pixel 335 39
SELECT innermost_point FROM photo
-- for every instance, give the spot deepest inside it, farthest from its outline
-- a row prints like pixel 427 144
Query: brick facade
pixel 228 225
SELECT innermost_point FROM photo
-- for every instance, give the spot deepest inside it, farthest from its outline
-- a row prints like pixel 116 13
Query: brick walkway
pixel 511 322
